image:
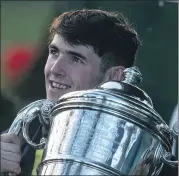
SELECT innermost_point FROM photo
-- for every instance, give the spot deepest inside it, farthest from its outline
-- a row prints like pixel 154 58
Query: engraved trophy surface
pixel 110 130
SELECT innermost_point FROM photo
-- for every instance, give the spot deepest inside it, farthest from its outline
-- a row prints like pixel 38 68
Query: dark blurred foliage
pixel 7 112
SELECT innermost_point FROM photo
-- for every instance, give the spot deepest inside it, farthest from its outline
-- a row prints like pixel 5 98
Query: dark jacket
pixel 28 152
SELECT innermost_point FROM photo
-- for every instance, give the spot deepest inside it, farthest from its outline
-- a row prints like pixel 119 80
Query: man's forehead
pixel 60 43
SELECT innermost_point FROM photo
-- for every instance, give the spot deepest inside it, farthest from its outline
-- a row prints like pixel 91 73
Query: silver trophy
pixel 110 130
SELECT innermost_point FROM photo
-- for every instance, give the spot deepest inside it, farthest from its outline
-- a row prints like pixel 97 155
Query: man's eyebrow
pixel 69 52
pixel 53 46
pixel 76 54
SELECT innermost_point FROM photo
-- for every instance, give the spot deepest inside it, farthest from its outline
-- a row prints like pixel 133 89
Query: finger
pixel 11 156
pixel 10 147
pixel 10 138
pixel 12 174
pixel 8 166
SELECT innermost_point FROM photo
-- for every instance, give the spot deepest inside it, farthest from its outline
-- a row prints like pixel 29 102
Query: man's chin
pixel 55 97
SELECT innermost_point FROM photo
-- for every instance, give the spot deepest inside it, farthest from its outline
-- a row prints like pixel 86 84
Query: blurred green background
pixel 26 23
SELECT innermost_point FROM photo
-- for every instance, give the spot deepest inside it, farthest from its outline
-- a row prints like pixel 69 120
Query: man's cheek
pixel 47 70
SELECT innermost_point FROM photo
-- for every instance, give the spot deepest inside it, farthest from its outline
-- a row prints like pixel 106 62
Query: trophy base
pixel 72 167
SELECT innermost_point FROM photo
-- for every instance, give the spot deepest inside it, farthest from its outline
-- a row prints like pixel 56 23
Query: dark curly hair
pixel 111 36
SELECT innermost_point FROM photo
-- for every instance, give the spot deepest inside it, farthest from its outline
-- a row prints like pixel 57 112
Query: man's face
pixel 70 68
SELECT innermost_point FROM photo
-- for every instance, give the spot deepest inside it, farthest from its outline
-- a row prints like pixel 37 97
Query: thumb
pixel 10 138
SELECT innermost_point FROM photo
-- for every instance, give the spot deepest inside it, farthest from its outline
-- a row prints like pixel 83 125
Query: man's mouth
pixel 60 86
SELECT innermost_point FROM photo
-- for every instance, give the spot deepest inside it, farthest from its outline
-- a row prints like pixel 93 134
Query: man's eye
pixel 53 52
pixel 75 59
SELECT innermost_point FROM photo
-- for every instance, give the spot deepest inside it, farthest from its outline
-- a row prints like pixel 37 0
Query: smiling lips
pixel 59 85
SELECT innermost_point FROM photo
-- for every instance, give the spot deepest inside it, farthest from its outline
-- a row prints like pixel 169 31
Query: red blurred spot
pixel 18 60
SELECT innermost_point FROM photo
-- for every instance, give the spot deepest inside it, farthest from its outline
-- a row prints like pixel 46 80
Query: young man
pixel 87 47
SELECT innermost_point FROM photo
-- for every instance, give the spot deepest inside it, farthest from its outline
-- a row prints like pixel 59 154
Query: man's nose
pixel 58 67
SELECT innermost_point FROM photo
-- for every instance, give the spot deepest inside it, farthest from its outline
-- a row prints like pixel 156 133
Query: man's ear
pixel 114 74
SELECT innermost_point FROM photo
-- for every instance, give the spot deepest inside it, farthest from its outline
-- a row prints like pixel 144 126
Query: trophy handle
pixel 29 117
pixel 166 158
pixel 39 109
pixel 17 124
pixel 43 112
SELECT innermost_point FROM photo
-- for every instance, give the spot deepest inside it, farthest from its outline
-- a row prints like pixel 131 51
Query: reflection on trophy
pixel 110 130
